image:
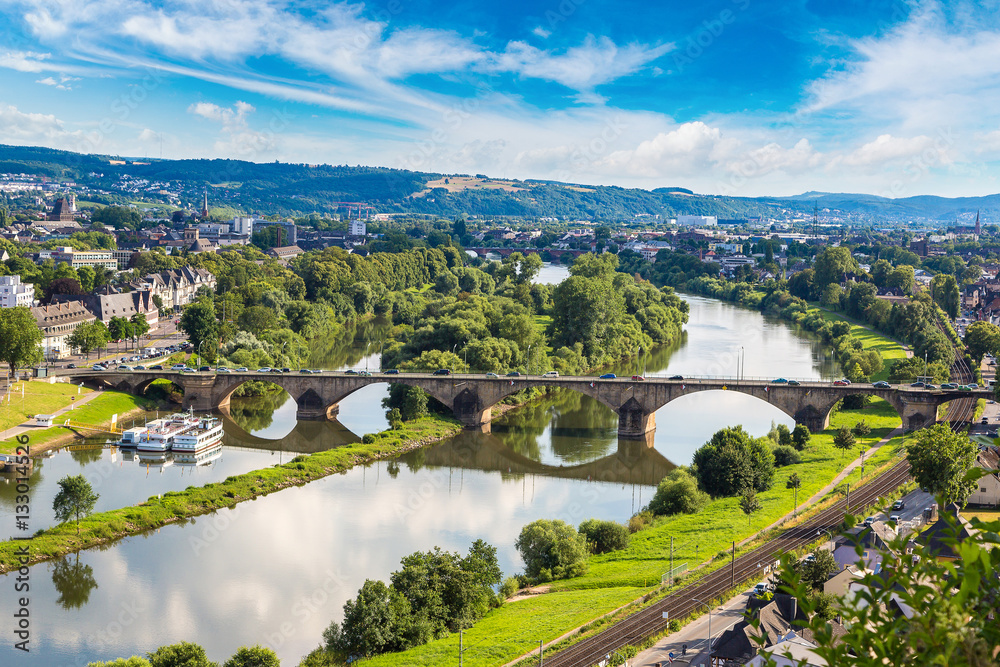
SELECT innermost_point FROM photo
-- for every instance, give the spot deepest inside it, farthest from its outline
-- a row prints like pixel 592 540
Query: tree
pixel 832 266
pixel 376 621
pixel 140 327
pixel 844 439
pixel 19 338
pixel 955 602
pixel 902 279
pixel 678 493
pixel 939 460
pixel 831 296
pixel 134 661
pixel 182 654
pixel 816 571
pixel 605 536
pixel 861 430
pixel 199 322
pixel 945 293
pixel 801 436
pixel 982 338
pixel 750 504
pixel 552 549
pixel 76 498
pixel 410 401
pixel 733 461
pixel 794 482
pixel 256 320
pixel 89 336
pixel 256 656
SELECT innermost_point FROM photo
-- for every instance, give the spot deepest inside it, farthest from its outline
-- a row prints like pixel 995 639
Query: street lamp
pixel 527 362
pixel 453 353
pixel 367 345
pixel 709 622
pixel 741 366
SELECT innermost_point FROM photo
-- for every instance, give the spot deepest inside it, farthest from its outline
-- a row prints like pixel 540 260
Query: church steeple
pixel 977 222
pixel 204 208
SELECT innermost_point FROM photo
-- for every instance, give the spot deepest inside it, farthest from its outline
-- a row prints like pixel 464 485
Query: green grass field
pixel 617 578
pixel 97 411
pixel 39 398
pixel 888 348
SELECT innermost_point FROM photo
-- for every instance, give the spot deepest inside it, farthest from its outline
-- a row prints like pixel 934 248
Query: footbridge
pixel 471 397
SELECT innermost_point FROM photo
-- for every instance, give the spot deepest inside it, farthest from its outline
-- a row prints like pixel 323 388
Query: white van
pixel 551 374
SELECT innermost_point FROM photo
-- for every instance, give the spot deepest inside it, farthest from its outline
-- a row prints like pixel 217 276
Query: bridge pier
pixel 634 422
pixel 918 414
pixel 198 393
pixel 311 413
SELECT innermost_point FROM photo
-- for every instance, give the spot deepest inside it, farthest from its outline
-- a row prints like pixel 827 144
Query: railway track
pixel 748 566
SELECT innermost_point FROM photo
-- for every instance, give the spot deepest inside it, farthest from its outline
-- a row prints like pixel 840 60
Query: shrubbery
pixel 785 456
pixel 552 549
pixel 733 461
pixel 605 536
pixel 678 493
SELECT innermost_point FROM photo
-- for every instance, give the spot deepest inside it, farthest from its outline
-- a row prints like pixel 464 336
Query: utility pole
pixel 733 581
pixel 671 560
pixel 539 653
pixel 460 649
pixel 848 506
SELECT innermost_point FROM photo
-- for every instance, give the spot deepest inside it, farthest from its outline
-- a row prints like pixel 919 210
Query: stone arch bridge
pixel 471 397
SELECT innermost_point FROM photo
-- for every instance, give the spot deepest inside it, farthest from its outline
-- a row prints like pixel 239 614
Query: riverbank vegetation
pixel 618 577
pixel 174 506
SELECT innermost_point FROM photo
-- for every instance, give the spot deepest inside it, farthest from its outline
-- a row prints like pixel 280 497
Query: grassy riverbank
pixel 619 577
pixel 96 412
pixel 891 350
pixel 173 506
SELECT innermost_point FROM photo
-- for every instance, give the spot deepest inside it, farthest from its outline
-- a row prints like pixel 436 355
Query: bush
pixel 368 439
pixel 733 461
pixel 552 550
pixel 678 493
pixel 509 587
pixel 800 436
pixel 604 536
pixel 785 456
pixel 640 521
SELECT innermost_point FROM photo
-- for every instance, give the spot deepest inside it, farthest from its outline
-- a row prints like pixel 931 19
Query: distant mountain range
pixel 275 187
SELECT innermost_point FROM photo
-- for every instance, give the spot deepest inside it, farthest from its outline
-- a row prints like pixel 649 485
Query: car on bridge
pixel 178 367
pixel 973 385
pixel 205 369
pixel 392 371
pixel 779 381
pixel 881 384
pixel 265 369
pixel 442 371
pixel 514 374
pixel 222 369
pixel 793 383
pixel 676 377
pixel 365 374
pixel 919 385
pixel 550 374
pixel 350 371
pixel 140 367
pixel 98 367
pixel 242 369
pixel 492 375
pixel 638 378
pixel 157 367
pixel 123 367
pixel 608 376
pixel 840 383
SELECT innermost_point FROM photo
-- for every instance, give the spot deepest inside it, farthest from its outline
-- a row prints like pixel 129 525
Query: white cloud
pixel 237 139
pixel 20 128
pixel 541 32
pixel 24 61
pixel 887 148
pixel 62 83
pixel 595 62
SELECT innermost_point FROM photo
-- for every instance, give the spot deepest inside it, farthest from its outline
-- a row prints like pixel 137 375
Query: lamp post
pixel 527 364
pixel 453 354
pixel 367 345
pixel 820 532
pixel 740 360
pixel 709 623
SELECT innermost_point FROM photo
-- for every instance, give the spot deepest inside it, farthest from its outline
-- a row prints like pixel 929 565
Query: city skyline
pixel 729 97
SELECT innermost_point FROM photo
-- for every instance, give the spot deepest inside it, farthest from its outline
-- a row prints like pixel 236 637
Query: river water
pixel 277 570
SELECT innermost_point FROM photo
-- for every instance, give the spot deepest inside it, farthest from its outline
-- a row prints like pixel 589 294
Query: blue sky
pixel 746 97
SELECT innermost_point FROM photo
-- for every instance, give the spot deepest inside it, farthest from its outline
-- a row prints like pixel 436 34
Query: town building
pixel 78 258
pixel 126 305
pixel 176 287
pixel 64 209
pixel 57 322
pixel 987 491
pixel 697 221
pixel 285 253
pixel 358 228
pixel 195 244
pixel 14 293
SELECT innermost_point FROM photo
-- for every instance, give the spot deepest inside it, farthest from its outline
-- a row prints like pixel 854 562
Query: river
pixel 277 570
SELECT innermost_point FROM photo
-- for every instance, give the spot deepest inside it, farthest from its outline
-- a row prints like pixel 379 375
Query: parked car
pixel 392 371
pixel 513 374
pixel 869 520
pixel 984 420
pixel 608 376
pixel 760 588
pixel 638 378
pixel 442 371
pixel 779 381
pixel 70 365
pixel 676 377
pixel 550 374
pixel 898 505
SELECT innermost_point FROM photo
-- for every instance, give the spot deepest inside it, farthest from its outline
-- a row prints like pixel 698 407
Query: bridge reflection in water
pixel 633 462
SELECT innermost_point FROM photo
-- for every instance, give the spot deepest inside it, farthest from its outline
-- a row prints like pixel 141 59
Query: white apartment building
pixel 15 293
pixel 697 221
pixel 358 228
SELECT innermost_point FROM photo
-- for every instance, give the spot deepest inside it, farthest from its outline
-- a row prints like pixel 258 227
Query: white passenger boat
pixel 205 434
pixel 202 458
